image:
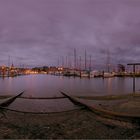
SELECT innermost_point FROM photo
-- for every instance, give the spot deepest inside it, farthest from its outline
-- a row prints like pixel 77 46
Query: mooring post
pixel 134 79
pixel 134 75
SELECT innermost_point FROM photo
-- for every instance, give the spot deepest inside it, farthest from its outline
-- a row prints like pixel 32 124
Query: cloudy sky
pixel 39 32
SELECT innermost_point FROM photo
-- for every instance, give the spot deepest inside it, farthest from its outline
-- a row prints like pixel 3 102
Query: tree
pixel 121 68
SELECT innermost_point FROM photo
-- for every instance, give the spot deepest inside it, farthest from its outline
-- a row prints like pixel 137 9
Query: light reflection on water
pixel 49 86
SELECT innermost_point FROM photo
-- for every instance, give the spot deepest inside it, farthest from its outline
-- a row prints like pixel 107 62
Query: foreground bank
pixel 76 124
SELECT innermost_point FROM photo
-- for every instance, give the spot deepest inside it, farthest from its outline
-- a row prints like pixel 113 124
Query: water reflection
pixel 49 86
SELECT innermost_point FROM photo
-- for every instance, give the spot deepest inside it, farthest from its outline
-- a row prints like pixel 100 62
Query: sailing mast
pixel 74 58
pixel 69 61
pixel 62 60
pixel 90 63
pixel 66 65
pixel 8 65
pixel 58 62
pixel 85 60
pixel 74 61
pixel 80 65
pixel 108 61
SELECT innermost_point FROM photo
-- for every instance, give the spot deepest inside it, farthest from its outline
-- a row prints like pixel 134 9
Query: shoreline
pixel 76 124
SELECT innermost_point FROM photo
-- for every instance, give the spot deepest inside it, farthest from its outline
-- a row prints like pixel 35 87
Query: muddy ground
pixel 80 124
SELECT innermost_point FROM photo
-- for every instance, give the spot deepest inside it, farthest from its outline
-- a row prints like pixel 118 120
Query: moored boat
pixel 108 74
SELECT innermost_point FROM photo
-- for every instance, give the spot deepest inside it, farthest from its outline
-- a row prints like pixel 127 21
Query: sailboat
pixel 108 74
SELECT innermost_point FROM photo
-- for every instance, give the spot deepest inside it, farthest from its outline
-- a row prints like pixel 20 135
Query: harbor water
pixel 46 86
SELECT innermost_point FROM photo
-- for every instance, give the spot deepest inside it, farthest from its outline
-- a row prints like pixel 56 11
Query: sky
pixel 43 32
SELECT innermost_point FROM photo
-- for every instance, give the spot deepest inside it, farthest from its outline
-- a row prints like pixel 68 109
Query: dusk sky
pixel 38 32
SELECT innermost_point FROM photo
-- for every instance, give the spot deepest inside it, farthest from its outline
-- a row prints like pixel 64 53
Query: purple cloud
pixel 38 32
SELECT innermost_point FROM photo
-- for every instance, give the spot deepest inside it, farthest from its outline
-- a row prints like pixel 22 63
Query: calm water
pixel 49 86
